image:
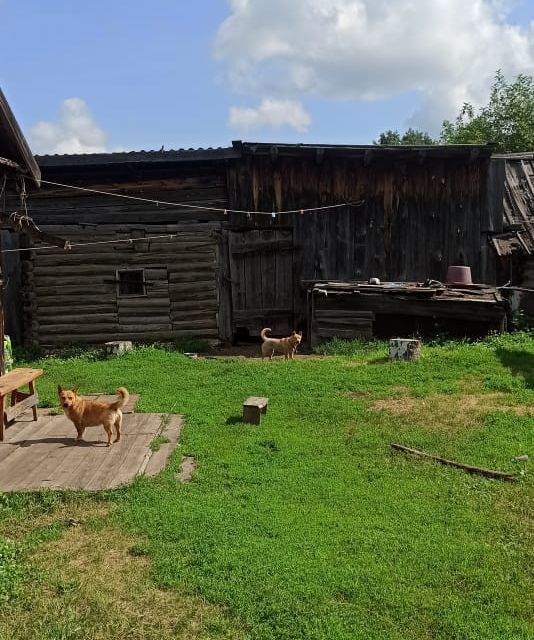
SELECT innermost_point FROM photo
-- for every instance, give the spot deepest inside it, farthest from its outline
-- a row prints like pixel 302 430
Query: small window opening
pixel 131 282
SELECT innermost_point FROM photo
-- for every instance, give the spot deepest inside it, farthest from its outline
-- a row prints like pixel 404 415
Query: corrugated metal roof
pixel 171 155
pixel 240 148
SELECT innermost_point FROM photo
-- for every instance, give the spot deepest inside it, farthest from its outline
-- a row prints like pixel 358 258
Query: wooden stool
pixel 253 407
pixel 10 383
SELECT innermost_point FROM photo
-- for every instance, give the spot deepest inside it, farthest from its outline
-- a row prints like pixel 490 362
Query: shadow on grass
pixel 234 420
pixel 520 363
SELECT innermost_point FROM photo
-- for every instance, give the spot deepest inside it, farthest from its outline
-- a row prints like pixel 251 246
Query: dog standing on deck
pixel 284 346
pixel 90 413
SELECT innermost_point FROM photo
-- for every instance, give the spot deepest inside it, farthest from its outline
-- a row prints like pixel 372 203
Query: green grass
pixel 310 526
pixel 155 445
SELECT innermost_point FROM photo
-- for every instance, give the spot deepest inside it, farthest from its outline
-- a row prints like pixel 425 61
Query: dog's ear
pixel 75 389
pixel 59 389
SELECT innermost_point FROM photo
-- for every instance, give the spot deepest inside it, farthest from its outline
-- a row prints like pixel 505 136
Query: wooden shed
pixel 221 269
pixel 17 165
pixel 137 269
pixel 415 211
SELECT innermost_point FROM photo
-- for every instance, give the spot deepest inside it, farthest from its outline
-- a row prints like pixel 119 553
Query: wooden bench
pixel 253 408
pixel 10 383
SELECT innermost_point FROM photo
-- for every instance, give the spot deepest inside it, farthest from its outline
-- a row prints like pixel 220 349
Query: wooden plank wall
pixel 71 296
pixel 261 272
pixel 419 216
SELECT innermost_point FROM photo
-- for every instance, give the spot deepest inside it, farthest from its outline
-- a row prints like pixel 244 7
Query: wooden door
pixel 261 273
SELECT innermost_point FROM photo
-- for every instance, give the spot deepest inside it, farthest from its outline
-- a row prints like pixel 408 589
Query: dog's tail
pixel 124 397
pixel 263 333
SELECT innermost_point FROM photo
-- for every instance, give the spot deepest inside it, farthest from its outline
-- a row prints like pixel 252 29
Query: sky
pixel 113 75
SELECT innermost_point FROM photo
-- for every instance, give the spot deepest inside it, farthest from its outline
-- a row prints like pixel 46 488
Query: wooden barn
pixel 147 270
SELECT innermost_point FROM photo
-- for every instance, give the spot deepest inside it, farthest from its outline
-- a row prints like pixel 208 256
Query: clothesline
pixel 202 207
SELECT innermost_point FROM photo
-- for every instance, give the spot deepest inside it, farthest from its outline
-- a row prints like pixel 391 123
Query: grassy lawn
pixel 309 526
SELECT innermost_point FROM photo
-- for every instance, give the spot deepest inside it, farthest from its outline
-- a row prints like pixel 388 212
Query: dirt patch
pixel 450 412
pixel 94 582
pixel 187 468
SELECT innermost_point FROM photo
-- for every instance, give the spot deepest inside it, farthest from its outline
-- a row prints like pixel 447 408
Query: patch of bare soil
pixel 450 412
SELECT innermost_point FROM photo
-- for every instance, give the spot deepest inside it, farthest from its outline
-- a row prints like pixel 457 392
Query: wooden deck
pixel 45 454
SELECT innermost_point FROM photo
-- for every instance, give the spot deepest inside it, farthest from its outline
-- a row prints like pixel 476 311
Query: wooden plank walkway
pixel 45 454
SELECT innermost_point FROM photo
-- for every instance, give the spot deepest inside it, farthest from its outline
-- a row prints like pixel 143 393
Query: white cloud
pixel 75 131
pixel 270 113
pixel 447 51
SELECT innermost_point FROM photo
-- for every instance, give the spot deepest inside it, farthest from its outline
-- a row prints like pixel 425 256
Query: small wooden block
pixel 253 408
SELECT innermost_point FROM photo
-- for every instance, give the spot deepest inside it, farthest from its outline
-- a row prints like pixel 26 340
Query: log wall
pixel 73 296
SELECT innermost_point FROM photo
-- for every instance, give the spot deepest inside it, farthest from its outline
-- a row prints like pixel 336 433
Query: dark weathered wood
pixel 489 473
pixel 334 332
pixel 341 313
pixel 267 245
pixel 13 145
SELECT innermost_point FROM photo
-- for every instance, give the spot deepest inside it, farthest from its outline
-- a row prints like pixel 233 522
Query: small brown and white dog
pixel 284 346
pixel 90 413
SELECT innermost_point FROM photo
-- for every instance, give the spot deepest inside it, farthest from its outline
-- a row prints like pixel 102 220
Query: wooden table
pixel 10 383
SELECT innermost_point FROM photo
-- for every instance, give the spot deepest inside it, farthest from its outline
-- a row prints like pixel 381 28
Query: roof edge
pixel 17 141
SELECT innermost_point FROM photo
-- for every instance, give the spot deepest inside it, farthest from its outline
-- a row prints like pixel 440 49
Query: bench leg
pixel 31 385
pixel 2 418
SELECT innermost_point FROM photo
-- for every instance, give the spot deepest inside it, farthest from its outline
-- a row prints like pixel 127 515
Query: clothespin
pixel 273 214
pixel 249 217
pixel 302 212
pixel 226 212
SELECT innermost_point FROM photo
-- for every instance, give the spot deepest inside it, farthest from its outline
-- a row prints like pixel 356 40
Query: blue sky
pixel 190 73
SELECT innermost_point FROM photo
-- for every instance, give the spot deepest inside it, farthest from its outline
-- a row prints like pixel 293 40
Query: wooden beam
pixel 489 473
pixel 24 224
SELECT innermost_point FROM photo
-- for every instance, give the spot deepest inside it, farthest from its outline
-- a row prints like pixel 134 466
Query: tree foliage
pixel 410 137
pixel 507 121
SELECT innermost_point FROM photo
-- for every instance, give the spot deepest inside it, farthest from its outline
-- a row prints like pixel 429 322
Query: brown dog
pixel 90 413
pixel 284 346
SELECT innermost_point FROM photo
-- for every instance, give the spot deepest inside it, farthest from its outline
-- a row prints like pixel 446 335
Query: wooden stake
pixel 489 473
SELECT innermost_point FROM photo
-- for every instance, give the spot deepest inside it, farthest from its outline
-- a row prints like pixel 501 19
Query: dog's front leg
pixel 81 430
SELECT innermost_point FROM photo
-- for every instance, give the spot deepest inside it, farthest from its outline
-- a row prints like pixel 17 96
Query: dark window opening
pixel 131 282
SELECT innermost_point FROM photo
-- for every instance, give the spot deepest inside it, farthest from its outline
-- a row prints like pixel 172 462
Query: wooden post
pixel 2 357
pixel 31 386
pixel 404 349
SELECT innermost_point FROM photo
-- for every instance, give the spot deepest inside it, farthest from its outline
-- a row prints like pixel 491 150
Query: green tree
pixel 507 121
pixel 410 137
